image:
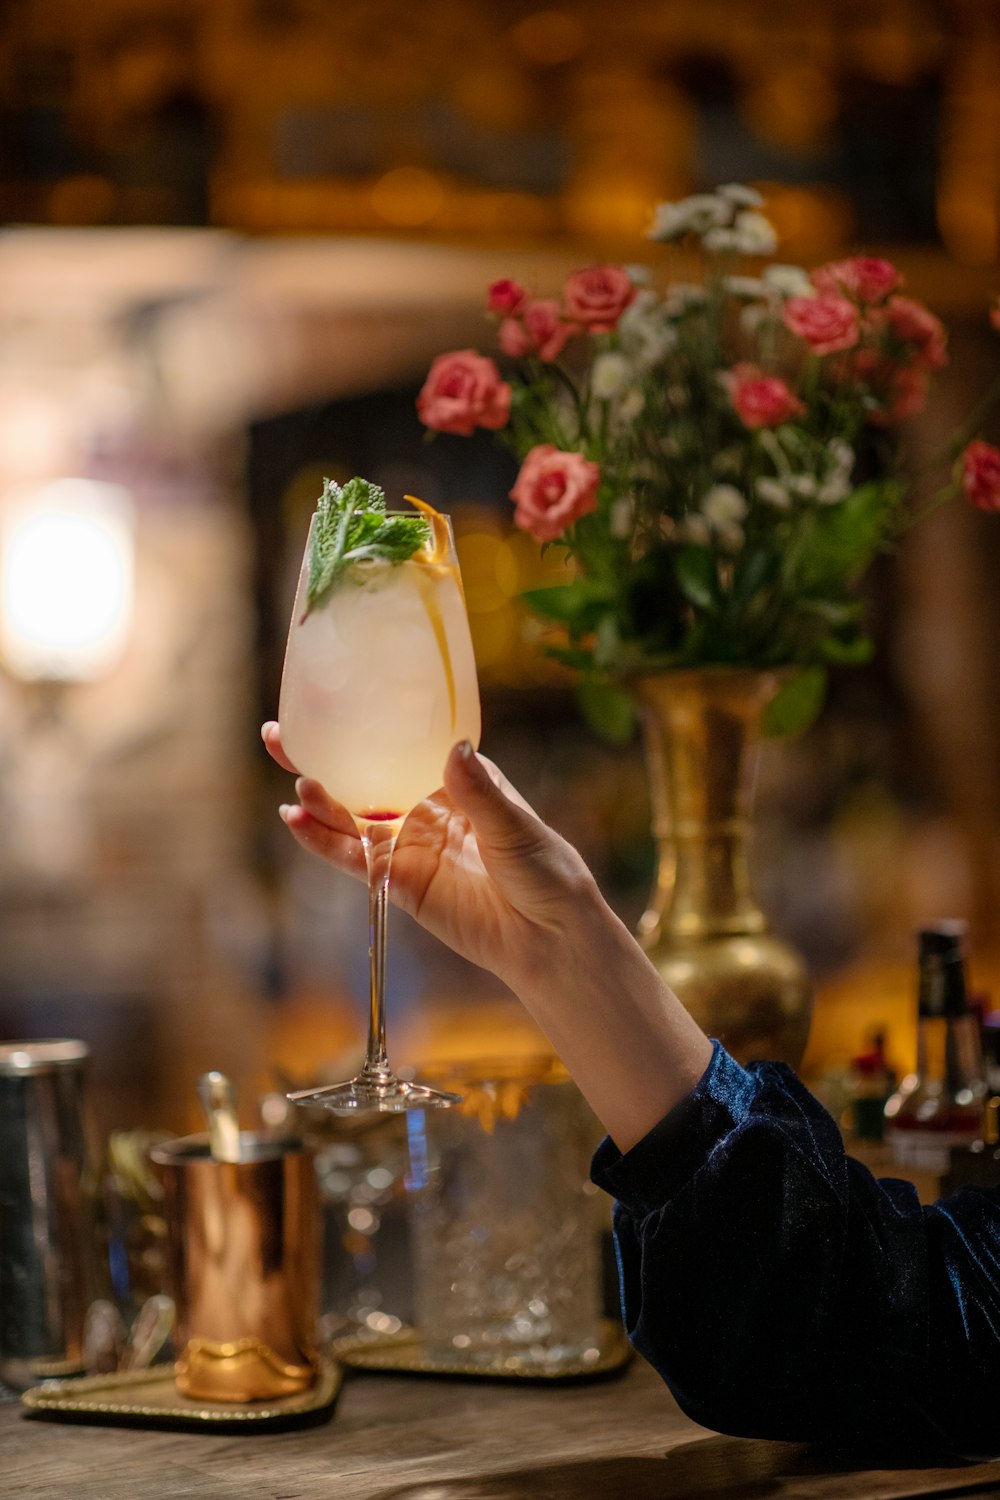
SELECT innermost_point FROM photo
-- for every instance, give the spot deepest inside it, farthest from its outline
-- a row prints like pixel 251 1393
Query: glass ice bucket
pixel 505 1223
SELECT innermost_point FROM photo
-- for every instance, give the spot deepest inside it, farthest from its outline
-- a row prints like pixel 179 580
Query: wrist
pixel 631 1046
pixel 557 939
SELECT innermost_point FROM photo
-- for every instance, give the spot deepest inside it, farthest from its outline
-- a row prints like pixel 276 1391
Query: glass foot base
pixel 383 1096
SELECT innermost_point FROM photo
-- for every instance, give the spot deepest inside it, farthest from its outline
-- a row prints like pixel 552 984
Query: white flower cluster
pixel 614 379
pixel 610 373
pixel 694 215
pixel 718 519
pixel 645 332
pixel 646 336
pixel 823 482
pixel 750 234
pixel 684 297
pixel 787 281
pixel 726 221
pixel 775 284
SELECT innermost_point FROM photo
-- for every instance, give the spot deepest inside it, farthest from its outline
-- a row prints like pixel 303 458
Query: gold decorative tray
pixel 151 1398
pixel 404 1353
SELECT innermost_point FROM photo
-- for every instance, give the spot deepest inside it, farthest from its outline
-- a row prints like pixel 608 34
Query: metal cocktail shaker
pixel 46 1222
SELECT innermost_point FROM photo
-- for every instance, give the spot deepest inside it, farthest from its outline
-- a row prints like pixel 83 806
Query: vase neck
pixel 702 731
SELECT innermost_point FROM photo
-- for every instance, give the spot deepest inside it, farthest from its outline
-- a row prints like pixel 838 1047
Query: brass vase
pixel 703 930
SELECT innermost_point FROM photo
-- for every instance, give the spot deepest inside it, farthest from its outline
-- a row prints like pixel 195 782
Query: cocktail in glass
pixel 379 683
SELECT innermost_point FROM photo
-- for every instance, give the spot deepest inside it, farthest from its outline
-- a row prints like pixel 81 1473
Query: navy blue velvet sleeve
pixel 782 1291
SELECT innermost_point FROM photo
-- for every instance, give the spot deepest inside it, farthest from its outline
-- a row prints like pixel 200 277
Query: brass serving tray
pixel 404 1353
pixel 151 1398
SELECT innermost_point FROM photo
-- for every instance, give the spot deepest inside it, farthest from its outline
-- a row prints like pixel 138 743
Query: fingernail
pixel 300 782
pixel 266 728
pixel 283 811
pixel 473 766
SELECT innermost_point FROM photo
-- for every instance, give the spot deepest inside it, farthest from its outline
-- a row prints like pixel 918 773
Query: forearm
pixel 633 1049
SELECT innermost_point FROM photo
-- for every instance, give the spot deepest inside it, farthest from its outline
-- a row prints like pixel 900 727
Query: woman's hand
pixel 482 872
pixel 474 864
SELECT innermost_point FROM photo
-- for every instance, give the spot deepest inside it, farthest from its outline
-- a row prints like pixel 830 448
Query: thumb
pixel 503 822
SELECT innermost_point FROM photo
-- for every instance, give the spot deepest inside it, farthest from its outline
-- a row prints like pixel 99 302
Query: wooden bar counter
pixel 415 1437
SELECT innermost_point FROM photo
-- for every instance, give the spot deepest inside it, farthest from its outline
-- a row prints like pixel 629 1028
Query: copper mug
pixel 243 1247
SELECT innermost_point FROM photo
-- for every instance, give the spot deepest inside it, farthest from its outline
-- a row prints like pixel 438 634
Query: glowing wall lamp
pixel 67 580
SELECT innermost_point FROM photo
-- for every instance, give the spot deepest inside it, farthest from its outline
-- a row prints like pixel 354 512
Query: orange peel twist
pixel 439 548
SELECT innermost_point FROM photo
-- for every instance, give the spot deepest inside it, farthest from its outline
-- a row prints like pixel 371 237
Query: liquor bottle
pixel 869 1083
pixel 977 1165
pixel 939 1107
pixel 989 1033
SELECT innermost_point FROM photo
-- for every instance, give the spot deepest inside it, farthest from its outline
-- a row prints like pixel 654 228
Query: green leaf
pixel 796 703
pixel 578 605
pixel 562 603
pixel 841 540
pixel 570 656
pixel 351 527
pixel 608 710
pixel 850 653
pixel 391 540
pixel 696 575
pixel 835 612
pixel 608 642
pixel 753 568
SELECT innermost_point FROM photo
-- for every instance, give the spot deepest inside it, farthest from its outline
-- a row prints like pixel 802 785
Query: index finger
pixel 271 735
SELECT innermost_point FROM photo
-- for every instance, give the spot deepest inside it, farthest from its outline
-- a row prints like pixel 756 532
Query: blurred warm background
pixel 236 233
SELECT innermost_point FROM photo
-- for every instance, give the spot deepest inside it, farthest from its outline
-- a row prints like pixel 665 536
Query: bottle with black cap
pixel 939 1107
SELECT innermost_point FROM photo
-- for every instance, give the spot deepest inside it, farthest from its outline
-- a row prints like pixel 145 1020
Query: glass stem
pixel 379 840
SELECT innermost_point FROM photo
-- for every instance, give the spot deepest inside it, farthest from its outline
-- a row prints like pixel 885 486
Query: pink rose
pixel 463 390
pixel 539 330
pixel 513 338
pixel 867 364
pixel 866 278
pixel 553 490
pixel 981 475
pixel 900 390
pixel 912 323
pixel 597 296
pixel 546 329
pixel 904 395
pixel 505 297
pixel 761 400
pixel 827 323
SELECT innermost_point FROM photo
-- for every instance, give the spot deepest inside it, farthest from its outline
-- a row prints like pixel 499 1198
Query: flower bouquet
pixel 720 458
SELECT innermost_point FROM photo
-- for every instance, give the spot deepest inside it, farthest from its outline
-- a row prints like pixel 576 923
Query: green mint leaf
pixel 352 527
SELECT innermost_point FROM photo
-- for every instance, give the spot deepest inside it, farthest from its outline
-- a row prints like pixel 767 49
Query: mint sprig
pixel 352 527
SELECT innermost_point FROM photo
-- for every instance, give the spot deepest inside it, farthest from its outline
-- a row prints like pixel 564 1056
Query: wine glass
pixel 379 683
